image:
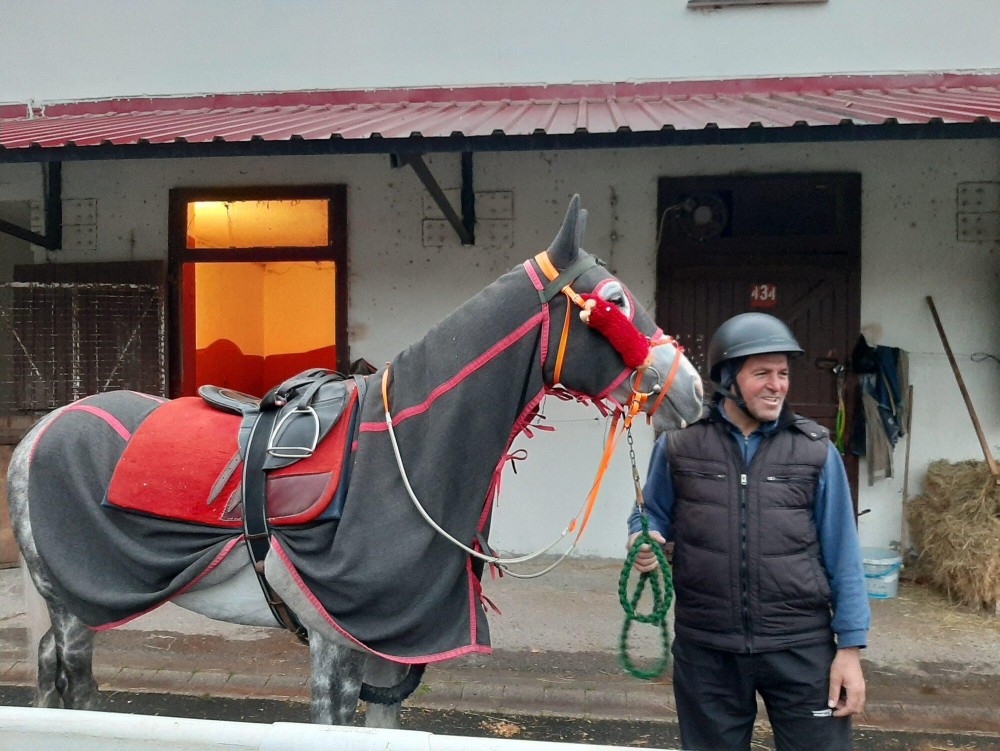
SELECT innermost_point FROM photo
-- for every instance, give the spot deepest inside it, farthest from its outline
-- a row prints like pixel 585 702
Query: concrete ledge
pixel 952 709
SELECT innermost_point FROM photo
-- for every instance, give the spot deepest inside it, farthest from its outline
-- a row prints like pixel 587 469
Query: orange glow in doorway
pixel 256 324
pixel 298 223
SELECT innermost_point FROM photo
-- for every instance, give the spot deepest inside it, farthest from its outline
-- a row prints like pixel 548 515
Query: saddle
pixel 304 409
pixel 283 427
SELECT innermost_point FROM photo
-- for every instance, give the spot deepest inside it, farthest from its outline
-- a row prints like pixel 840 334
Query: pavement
pixel 930 665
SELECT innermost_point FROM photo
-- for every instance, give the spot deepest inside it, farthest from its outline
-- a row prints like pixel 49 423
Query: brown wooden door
pixel 788 245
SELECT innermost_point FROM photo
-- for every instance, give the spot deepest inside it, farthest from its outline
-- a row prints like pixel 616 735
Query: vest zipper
pixel 744 561
pixel 744 497
pixel 783 478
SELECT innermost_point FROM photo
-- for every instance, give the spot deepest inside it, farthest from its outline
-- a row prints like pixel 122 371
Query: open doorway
pixel 259 286
pixel 256 324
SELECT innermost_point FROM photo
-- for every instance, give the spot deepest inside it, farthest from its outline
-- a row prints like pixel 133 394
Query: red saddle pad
pixel 182 464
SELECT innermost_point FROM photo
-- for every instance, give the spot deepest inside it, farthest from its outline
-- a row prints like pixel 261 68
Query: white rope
pixel 492 559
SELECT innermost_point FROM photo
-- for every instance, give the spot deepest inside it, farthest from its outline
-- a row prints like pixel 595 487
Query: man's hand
pixel 645 561
pixel 847 678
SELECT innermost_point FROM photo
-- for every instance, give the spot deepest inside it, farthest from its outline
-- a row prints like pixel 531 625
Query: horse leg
pixel 65 657
pixel 66 649
pixel 379 672
pixel 46 693
pixel 74 647
pixel 337 671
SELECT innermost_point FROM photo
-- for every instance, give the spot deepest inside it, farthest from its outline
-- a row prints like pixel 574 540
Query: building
pixel 833 162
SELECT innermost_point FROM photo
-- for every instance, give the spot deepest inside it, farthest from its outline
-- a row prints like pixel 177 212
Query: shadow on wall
pixel 223 364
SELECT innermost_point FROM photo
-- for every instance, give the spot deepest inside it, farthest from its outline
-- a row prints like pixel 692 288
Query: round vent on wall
pixel 703 216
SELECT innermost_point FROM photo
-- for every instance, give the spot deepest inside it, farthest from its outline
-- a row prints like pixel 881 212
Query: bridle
pixel 561 283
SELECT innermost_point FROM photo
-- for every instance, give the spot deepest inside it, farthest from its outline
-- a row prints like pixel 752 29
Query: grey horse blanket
pixel 379 575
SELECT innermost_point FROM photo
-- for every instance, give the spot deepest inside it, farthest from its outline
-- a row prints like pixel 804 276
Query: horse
pixel 402 561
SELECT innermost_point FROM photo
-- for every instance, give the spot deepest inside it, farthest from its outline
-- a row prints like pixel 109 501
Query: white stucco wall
pixel 68 50
pixel 398 288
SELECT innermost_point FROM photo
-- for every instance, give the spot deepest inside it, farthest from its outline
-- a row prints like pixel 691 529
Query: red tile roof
pixel 506 111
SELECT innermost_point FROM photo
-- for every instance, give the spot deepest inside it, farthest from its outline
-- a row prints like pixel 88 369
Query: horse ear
pixel 566 247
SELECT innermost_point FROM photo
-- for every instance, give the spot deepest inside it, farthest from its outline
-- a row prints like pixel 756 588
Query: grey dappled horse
pixel 551 339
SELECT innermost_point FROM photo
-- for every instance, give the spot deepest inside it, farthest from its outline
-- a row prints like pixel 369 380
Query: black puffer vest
pixel 747 565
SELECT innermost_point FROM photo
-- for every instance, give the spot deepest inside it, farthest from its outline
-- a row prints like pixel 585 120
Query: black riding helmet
pixel 749 334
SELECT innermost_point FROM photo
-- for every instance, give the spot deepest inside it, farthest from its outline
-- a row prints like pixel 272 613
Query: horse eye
pixel 615 295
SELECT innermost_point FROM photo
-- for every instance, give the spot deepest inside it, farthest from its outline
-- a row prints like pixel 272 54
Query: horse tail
pixel 36 618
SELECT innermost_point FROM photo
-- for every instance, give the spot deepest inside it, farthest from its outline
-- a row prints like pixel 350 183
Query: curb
pixel 517 695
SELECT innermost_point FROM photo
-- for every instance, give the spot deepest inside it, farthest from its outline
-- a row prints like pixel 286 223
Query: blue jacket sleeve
pixel 657 493
pixel 838 538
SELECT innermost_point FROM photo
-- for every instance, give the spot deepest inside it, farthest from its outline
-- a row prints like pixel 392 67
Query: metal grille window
pixel 60 341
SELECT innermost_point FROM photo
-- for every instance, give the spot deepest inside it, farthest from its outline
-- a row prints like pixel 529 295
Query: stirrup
pixel 293 452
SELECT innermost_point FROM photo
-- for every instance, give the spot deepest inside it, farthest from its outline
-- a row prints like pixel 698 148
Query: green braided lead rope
pixel 661 584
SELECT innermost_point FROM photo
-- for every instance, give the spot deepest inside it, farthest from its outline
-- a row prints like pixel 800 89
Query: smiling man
pixel 771 597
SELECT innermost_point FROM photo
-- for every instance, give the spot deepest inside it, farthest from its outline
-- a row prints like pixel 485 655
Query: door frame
pixel 178 255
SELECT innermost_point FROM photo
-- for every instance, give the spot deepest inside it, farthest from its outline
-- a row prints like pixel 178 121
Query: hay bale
pixel 955 529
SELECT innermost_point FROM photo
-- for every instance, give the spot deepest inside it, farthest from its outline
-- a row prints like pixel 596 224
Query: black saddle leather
pixel 307 406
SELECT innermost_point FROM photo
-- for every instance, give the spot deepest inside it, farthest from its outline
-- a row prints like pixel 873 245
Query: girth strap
pixel 256 532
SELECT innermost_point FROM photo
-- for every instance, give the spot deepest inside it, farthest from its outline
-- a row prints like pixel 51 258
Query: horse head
pixel 602 343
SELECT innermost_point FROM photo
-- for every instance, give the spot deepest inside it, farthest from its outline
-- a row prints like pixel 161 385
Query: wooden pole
pixel 965 393
pixel 906 471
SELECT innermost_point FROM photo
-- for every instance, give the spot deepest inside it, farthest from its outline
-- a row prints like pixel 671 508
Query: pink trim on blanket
pixel 208 569
pixel 470 577
pixel 279 551
pixel 80 407
pixel 498 348
pixel 537 282
pixel 522 421
pixel 109 418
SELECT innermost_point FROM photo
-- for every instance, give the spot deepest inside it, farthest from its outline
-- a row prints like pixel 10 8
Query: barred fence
pixel 62 341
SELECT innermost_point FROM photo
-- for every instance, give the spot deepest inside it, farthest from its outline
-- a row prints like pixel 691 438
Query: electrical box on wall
pixel 977 216
pixel 79 231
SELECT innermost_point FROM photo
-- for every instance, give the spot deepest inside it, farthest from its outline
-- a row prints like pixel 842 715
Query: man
pixel 771 597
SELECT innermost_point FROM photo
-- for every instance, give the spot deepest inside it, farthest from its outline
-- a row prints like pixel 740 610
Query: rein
pixel 502 563
pixel 558 284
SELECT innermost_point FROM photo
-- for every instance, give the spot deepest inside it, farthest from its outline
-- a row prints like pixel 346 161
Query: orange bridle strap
pixel 671 375
pixel 609 449
pixel 551 273
pixel 633 408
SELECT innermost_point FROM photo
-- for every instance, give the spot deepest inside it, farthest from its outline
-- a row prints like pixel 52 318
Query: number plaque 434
pixel 763 295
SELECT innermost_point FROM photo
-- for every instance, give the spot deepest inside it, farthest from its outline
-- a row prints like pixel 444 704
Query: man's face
pixel 763 381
